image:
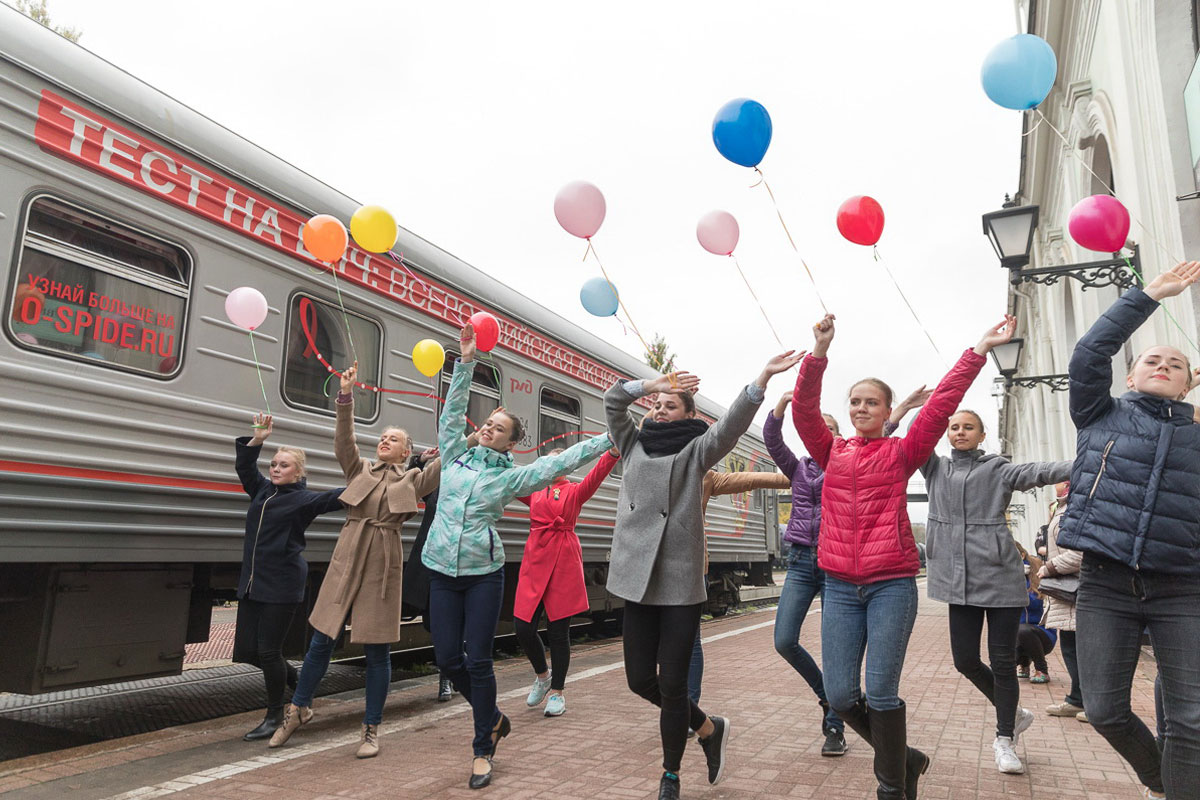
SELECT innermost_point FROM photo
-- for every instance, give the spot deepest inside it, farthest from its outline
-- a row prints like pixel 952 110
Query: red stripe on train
pixel 30 468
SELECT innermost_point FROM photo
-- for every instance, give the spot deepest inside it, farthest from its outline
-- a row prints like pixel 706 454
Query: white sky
pixel 464 119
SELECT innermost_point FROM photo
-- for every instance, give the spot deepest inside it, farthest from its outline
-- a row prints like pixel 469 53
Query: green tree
pixel 36 10
pixel 657 356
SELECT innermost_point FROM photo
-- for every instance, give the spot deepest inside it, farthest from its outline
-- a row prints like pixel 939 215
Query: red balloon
pixel 487 330
pixel 1099 223
pixel 860 219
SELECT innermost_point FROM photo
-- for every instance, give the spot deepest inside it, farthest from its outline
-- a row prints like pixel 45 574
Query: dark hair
pixel 878 384
pixel 978 418
pixel 836 428
pixel 518 428
pixel 687 398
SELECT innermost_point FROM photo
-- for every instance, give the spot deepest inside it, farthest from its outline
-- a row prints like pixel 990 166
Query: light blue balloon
pixel 599 297
pixel 1019 72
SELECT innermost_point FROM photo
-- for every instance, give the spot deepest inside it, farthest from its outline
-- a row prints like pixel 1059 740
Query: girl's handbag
pixel 1060 587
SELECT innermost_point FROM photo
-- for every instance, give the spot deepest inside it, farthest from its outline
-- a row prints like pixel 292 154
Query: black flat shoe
pixel 668 788
pixel 502 729
pixel 480 781
pixel 266 728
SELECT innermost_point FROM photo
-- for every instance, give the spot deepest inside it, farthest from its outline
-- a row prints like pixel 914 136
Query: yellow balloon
pixel 428 357
pixel 374 229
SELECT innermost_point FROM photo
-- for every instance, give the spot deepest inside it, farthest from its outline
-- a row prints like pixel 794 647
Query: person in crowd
pixel 551 580
pixel 975 567
pixel 805 580
pixel 416 574
pixel 363 583
pixel 464 552
pixel 1060 612
pixel 1134 511
pixel 271 586
pixel 657 563
pixel 866 547
pixel 1034 641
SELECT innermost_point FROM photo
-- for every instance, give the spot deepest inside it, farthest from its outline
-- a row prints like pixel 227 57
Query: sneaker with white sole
pixel 537 692
pixel 714 748
pixel 556 706
pixel 1006 758
pixel 1021 723
pixel 1063 709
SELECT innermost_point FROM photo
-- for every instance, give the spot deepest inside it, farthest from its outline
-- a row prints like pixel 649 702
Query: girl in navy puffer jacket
pixel 1134 511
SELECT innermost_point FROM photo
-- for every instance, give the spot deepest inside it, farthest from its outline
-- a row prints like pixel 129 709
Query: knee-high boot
pixel 856 717
pixel 889 737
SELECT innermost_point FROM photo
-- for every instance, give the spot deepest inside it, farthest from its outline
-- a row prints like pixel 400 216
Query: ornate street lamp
pixel 1007 356
pixel 1010 231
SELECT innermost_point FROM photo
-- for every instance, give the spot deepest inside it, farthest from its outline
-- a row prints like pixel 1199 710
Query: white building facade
pixel 1119 103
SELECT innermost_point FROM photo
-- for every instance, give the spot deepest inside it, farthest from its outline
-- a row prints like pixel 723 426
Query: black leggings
pixel 258 640
pixel 559 632
pixel 998 684
pixel 1033 645
pixel 658 651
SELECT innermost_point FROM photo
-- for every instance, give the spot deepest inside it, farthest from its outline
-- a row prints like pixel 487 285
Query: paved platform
pixel 606 746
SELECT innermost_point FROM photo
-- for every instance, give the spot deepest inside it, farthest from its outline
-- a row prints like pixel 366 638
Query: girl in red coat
pixel 551 579
pixel 866 547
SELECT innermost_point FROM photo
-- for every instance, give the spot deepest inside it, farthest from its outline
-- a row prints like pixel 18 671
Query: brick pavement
pixel 606 747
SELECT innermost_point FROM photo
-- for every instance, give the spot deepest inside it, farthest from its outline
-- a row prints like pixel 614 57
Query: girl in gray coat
pixel 657 562
pixel 974 566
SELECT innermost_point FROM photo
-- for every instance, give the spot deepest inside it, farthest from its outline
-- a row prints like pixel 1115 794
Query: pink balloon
pixel 1099 223
pixel 246 307
pixel 718 232
pixel 579 208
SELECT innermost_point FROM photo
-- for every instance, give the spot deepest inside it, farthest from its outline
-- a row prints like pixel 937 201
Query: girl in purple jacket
pixel 804 578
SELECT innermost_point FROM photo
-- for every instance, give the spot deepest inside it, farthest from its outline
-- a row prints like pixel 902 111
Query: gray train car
pixel 126 218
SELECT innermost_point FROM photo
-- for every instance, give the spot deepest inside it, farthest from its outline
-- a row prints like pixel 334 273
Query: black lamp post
pixel 1010 231
pixel 1008 356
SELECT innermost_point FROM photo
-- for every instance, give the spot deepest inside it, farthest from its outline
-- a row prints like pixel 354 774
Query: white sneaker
pixel 1021 724
pixel 1150 793
pixel 1006 760
pixel 537 692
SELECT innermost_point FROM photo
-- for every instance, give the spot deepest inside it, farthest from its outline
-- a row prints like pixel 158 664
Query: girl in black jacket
pixel 271 586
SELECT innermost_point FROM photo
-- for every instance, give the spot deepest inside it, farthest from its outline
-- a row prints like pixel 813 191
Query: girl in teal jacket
pixel 464 552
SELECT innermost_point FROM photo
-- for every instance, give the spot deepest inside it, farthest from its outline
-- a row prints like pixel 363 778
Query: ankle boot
pixel 267 727
pixel 889 737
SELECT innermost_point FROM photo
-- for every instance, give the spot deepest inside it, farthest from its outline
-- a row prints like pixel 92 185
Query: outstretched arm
pixel 595 477
pixel 780 453
pixel 739 482
pixel 452 424
pixel 541 473
pixel 345 445
pixel 723 434
pixel 914 400
pixel 1021 477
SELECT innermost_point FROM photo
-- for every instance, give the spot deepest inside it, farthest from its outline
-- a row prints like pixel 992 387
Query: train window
pixel 95 290
pixel 315 326
pixel 485 389
pixel 560 419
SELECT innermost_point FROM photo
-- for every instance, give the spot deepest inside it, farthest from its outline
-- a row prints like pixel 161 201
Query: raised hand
pixel 782 404
pixel 917 399
pixel 1174 281
pixel 997 334
pixel 349 375
pixel 263 425
pixel 672 382
pixel 466 341
pixel 823 335
pixel 429 455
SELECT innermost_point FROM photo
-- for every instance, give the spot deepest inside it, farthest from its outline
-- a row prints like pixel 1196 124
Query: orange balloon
pixel 325 237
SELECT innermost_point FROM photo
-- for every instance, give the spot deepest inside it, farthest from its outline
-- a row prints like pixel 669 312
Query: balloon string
pixel 592 249
pixel 258 369
pixel 911 310
pixel 345 317
pixel 1174 321
pixel 762 310
pixel 1171 257
pixel 763 180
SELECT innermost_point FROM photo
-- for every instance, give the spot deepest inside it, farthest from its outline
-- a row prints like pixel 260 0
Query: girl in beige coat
pixel 363 581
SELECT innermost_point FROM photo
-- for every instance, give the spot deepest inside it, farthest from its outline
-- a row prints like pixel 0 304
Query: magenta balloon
pixel 579 208
pixel 1099 223
pixel 718 232
pixel 246 307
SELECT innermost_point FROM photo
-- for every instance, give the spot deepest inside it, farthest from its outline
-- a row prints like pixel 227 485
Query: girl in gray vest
pixel 657 561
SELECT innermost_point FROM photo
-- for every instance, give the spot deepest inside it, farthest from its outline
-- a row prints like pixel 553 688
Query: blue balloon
pixel 1019 72
pixel 742 131
pixel 599 297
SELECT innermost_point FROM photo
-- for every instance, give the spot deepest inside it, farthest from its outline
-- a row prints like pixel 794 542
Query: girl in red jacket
pixel 551 579
pixel 866 547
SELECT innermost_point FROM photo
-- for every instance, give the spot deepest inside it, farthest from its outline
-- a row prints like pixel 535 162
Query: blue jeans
pixel 1115 604
pixel 803 583
pixel 316 661
pixel 875 621
pixel 464 612
pixel 696 670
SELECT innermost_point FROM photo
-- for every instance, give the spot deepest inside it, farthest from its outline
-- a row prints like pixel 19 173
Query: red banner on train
pixel 74 133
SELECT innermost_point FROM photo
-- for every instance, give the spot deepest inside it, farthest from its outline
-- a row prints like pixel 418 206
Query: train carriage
pixel 126 218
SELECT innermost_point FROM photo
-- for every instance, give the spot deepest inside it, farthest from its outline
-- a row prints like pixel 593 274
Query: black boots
pixel 898 767
pixel 267 727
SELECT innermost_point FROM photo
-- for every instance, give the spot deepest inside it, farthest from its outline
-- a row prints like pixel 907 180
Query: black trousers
pixel 1033 645
pixel 258 640
pixel 658 652
pixel 559 632
pixel 999 682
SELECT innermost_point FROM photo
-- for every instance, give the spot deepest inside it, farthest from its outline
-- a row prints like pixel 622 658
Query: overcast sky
pixel 464 119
